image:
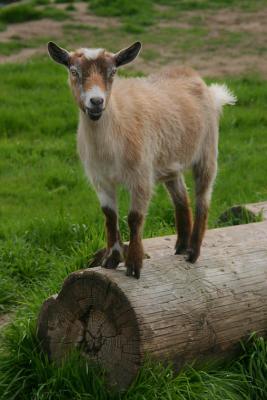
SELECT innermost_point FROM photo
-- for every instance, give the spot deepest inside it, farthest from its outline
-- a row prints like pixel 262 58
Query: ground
pixel 50 219
pixel 227 41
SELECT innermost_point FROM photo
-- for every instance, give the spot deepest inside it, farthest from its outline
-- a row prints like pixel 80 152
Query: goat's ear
pixel 58 54
pixel 127 55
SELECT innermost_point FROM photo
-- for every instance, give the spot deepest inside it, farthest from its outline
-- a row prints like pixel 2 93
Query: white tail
pixel 222 95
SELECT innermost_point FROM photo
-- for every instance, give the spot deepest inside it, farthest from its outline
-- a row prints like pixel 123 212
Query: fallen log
pixel 175 312
pixel 243 214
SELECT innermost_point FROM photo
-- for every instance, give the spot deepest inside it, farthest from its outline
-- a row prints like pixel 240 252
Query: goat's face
pixel 91 73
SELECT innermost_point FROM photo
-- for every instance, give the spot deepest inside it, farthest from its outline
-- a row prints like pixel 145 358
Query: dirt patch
pixel 176 24
pixel 23 55
pixel 238 21
pixel 220 65
pixel 230 58
pixel 210 66
pixel 225 19
pixel 32 29
pixel 83 16
pixel 47 27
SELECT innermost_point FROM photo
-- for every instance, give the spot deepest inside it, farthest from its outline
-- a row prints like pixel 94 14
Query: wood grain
pixel 176 311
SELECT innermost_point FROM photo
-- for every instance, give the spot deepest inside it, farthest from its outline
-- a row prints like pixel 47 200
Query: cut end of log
pixel 92 314
pixel 176 312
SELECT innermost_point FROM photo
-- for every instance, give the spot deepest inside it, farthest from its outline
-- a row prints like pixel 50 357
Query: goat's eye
pixel 74 72
pixel 112 72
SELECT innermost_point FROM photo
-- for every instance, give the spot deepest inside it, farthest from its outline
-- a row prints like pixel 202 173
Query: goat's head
pixel 91 73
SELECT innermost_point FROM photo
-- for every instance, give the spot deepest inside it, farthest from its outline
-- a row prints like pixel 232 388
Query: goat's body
pixel 142 131
pixel 154 128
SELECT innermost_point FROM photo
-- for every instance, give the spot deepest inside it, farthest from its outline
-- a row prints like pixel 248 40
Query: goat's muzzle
pixel 94 113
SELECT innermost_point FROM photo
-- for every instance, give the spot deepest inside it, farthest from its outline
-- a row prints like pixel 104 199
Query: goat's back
pixel 171 113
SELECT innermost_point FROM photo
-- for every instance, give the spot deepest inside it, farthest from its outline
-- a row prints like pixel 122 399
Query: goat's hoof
pixel 125 253
pixel 180 248
pixel 97 258
pixel 112 261
pixel 192 255
pixel 133 270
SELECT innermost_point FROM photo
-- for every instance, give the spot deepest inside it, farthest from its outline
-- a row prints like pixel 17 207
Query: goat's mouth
pixel 94 115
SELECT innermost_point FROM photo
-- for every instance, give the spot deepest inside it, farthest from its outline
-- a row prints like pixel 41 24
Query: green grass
pixel 25 372
pixel 189 5
pixel 138 15
pixel 49 214
pixel 51 224
pixel 64 1
pixel 19 13
pixel 17 44
pixel 28 12
pixel 50 219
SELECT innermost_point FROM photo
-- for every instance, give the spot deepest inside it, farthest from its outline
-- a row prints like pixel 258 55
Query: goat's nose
pixel 97 101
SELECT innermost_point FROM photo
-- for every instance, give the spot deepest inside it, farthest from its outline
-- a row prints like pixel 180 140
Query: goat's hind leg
pixel 183 216
pixel 204 174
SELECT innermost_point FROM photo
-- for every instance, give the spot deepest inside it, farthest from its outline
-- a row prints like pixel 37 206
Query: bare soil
pixel 240 58
pixel 83 16
pixel 31 30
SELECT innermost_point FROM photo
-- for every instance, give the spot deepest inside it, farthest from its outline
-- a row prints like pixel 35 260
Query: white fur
pixel 107 200
pixel 222 95
pixel 92 54
pixel 95 91
pixel 117 246
pixel 153 129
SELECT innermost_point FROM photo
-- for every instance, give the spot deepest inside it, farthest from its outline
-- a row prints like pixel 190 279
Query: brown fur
pixel 183 215
pixel 152 129
pixel 112 257
pixel 201 218
pixel 135 251
pixel 93 72
pixel 111 226
pixel 183 128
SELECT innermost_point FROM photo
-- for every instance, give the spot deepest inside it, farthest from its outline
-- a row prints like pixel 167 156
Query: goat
pixel 139 131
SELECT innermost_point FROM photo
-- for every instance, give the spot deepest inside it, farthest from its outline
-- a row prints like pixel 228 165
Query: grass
pixel 42 150
pixel 50 219
pixel 26 373
pixel 51 223
pixel 19 13
pixel 28 12
pixel 139 15
pixel 17 44
pixel 49 215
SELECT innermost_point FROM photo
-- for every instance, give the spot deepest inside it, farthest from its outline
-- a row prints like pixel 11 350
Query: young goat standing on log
pixel 139 131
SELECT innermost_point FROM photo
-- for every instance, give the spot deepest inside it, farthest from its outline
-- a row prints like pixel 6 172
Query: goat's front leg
pixel 113 254
pixel 140 196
